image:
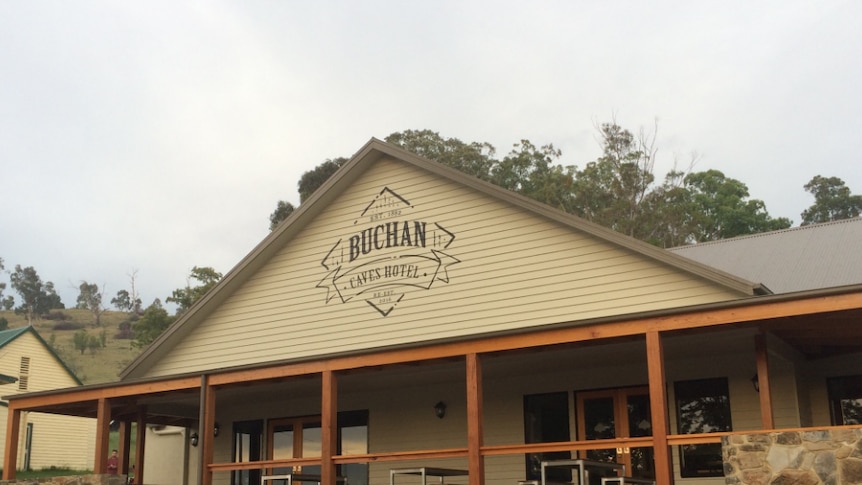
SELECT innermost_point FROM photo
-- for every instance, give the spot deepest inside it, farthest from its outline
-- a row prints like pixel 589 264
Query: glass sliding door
pixel 617 413
pixel 294 438
pixel 302 438
pixel 546 420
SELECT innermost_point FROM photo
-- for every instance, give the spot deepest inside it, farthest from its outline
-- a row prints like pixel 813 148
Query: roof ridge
pixel 769 233
pixel 10 331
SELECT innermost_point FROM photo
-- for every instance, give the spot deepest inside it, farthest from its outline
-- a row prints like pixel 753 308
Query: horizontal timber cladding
pixel 45 370
pixel 452 262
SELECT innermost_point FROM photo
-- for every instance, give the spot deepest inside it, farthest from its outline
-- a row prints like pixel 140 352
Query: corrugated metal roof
pixel 7 336
pixel 797 259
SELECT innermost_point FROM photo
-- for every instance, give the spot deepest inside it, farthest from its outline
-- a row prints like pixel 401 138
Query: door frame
pixel 620 396
pixel 298 425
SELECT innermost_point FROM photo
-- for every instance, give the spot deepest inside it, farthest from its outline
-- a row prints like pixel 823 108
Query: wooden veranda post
pixel 205 433
pixel 329 424
pixel 125 445
pixel 140 442
pixel 761 350
pixel 475 461
pixel 658 408
pixel 13 429
pixel 103 433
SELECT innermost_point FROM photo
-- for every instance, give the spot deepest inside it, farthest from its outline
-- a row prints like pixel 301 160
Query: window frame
pixel 839 389
pixel 692 457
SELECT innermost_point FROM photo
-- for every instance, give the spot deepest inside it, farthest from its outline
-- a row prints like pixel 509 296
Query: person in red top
pixel 113 463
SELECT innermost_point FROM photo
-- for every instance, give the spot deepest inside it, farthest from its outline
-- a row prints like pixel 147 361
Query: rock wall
pixel 825 457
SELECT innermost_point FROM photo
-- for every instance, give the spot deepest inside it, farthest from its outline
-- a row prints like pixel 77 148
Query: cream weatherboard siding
pixel 514 270
pixel 171 457
pixel 818 374
pixel 61 441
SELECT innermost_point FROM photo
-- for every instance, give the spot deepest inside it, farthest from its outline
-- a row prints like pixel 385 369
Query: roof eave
pixel 693 309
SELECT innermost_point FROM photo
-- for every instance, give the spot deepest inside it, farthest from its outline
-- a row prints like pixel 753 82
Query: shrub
pixel 55 315
pixel 125 331
pixel 67 325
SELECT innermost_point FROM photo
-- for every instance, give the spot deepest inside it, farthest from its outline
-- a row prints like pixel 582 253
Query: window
pixel 845 399
pixel 353 440
pixel 703 406
pixel 546 419
pixel 248 444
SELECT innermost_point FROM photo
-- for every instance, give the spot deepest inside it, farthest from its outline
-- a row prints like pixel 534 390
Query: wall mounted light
pixel 216 429
pixel 755 381
pixel 193 439
pixel 440 409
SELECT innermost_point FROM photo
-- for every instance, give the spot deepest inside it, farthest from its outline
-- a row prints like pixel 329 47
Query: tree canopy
pixel 151 324
pixel 186 297
pixel 124 302
pixel 832 201
pixel 155 318
pixel 474 158
pixel 36 297
pixel 721 208
pixel 129 300
pixel 282 211
pixel 90 298
pixel 618 190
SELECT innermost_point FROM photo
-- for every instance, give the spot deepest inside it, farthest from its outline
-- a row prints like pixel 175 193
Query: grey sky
pixel 156 136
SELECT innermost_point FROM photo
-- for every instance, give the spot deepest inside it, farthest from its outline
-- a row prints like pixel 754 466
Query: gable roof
pixel 8 336
pixel 372 152
pixel 796 259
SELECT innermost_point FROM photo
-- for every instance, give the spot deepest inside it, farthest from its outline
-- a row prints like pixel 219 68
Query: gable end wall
pixel 514 270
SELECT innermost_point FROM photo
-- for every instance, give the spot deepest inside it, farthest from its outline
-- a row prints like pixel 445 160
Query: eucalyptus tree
pixel 721 208
pixel 36 297
pixel 611 190
pixel 184 298
pixel 90 298
pixel 832 201
pixel 618 189
pixel 151 324
pixel 474 158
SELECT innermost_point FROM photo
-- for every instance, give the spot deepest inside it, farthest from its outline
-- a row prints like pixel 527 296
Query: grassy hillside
pixel 102 365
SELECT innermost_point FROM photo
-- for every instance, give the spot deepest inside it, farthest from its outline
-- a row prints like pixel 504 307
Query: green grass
pixel 103 365
pixel 113 444
pixel 48 473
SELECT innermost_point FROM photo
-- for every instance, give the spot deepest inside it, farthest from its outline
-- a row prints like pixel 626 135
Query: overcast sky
pixel 156 136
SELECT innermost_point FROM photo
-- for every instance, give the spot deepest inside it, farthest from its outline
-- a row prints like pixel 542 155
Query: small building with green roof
pixel 28 364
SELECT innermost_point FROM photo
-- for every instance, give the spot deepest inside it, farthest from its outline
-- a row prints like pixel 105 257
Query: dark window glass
pixel 845 399
pixel 546 420
pixel 600 423
pixel 353 440
pixel 247 441
pixel 703 406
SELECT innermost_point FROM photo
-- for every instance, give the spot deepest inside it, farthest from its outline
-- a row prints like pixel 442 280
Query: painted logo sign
pixel 387 256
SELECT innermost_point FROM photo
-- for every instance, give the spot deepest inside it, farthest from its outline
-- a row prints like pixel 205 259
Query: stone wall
pixel 825 457
pixel 71 480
